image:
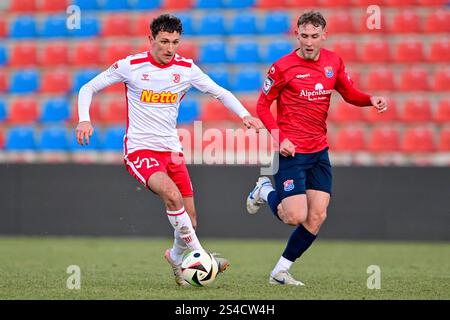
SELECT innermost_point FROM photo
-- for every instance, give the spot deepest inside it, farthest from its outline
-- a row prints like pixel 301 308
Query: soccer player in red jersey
pixel 302 83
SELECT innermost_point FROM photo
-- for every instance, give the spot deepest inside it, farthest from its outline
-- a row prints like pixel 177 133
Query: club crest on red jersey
pixel 288 185
pixel 176 77
pixel 329 72
pixel 268 82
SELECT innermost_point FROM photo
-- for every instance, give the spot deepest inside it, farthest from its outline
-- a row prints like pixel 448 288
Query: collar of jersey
pixel 159 65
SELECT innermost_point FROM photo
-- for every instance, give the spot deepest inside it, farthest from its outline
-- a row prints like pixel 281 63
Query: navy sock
pixel 299 241
pixel 274 200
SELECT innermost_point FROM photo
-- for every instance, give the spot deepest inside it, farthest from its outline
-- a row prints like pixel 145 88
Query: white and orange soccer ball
pixel 199 268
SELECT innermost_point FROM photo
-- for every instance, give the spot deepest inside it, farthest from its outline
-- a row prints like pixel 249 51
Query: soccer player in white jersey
pixel 156 82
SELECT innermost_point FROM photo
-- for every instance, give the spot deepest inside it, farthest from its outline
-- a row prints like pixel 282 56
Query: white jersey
pixel 153 96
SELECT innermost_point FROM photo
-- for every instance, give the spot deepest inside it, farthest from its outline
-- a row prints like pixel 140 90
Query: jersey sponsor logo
pixel 319 93
pixel 148 96
pixel 301 76
pixel 113 68
pixel 176 77
pixel 288 185
pixel 329 72
pixel 268 82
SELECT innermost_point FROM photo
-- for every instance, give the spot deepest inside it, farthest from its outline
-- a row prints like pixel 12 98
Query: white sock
pixel 181 222
pixel 282 264
pixel 265 190
pixel 178 249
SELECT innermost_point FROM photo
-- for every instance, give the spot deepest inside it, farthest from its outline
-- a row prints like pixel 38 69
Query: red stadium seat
pixel 3 81
pixel 54 5
pixel 441 81
pixel 301 3
pixel 23 54
pixel 177 4
pixel 346 49
pixel 444 139
pixel 56 81
pixel 23 5
pixel 418 139
pixel 440 50
pixel 335 3
pixel 432 2
pixel 142 25
pixel 409 51
pixel 87 53
pixel 214 111
pixel 367 22
pixel 366 3
pixel 400 3
pixel 115 112
pixel 55 53
pixel 23 111
pixel 343 112
pixel 414 79
pixel 384 139
pixel 391 115
pixel 442 114
pixel 416 109
pixel 340 22
pixel 379 79
pixel 187 49
pixel 2 139
pixel 377 50
pixel 270 4
pixel 95 112
pixel 116 24
pixel 405 21
pixel 2 27
pixel 350 139
pixel 116 88
pixel 116 51
pixel 437 21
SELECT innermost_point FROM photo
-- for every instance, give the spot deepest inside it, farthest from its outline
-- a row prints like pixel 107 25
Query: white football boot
pixel 176 269
pixel 254 201
pixel 284 278
pixel 222 263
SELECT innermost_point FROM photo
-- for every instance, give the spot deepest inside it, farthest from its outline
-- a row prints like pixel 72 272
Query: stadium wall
pixel 386 203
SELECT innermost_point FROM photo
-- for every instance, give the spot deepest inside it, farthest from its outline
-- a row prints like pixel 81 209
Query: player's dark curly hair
pixel 167 23
pixel 313 17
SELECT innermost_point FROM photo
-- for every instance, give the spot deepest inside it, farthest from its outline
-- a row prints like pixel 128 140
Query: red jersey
pixel 303 90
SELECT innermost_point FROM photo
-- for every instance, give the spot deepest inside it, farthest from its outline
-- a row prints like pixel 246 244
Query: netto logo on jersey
pixel 149 96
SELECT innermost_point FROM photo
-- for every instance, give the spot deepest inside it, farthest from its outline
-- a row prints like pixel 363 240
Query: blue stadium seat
pixel 115 5
pixel 247 80
pixel 54 27
pixel 2 110
pixel 23 27
pixel 213 52
pixel 25 81
pixel 246 52
pixel 113 140
pixel 277 49
pixel 186 20
pixel 189 111
pixel 211 24
pixel 3 55
pixel 20 139
pixel 237 4
pixel 243 23
pixel 94 142
pixel 208 4
pixel 87 4
pixel 55 110
pixel 82 77
pixel 221 77
pixel 53 139
pixel 145 4
pixel 89 27
pixel 276 23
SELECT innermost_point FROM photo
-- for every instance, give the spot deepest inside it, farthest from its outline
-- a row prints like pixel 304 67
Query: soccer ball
pixel 199 268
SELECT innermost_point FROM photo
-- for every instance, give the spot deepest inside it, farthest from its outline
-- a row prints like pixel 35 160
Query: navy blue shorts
pixel 302 172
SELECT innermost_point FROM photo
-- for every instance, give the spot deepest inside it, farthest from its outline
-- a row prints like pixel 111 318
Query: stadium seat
pixel 350 139
pixel 336 3
pixel 56 81
pixel 94 143
pixel 54 5
pixel 214 111
pixel 188 49
pixel 23 110
pixel 366 3
pixel 208 4
pixel 301 3
pixel 437 21
pixel 25 81
pixel 23 5
pixel 344 112
pixel 409 51
pixel 391 115
pixel 276 49
pixel 177 4
pixel 416 109
pixel 220 76
pixel 414 79
pixel 238 4
pixel 114 5
pixel 2 110
pixel 379 79
pixel 117 50
pixel 246 52
pixel 115 112
pixel 213 52
pixel 187 21
pixel 400 3
pixel 405 21
pixel 439 50
pixel 444 139
pixel 142 25
pixel 275 22
pixel 146 4
pixel 432 2
pixel 53 139
pixel 211 24
pixel 113 138
pixel 243 23
pixel 418 139
pixel 23 54
pixel 87 4
pixel 441 79
pixel 95 112
pixel 55 110
pixel 3 31
pixel 346 49
pixel 340 22
pixel 89 27
pixel 54 27
pixel 270 4
pixel 55 53
pixel 3 82
pixel 3 55
pixel 377 50
pixel 247 80
pixel 442 114
pixel 117 24
pixel 20 139
pixel 82 77
pixel 2 139
pixel 384 139
pixel 188 112
pixel 23 27
pixel 87 54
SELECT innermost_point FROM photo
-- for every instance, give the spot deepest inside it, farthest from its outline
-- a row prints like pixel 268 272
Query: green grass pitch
pixel 134 268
